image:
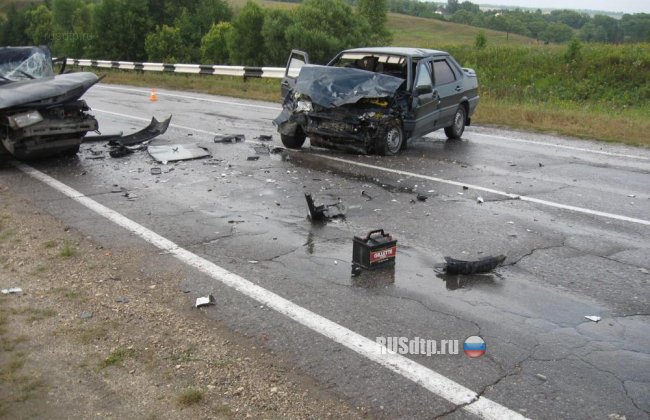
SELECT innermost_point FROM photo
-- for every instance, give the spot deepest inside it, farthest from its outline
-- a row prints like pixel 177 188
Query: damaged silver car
pixel 374 100
pixel 41 114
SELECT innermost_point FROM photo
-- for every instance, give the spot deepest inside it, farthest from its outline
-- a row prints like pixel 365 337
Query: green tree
pixel 214 45
pixel 276 46
pixel 374 12
pixel 480 42
pixel 324 27
pixel 39 28
pixel 573 52
pixel 558 32
pixel 246 42
pixel 452 6
pixel 14 31
pixel 166 45
pixel 128 25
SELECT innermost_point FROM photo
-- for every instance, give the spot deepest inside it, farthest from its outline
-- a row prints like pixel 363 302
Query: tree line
pixel 205 31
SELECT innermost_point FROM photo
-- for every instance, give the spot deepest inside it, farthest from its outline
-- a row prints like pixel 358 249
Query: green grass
pixel 117 357
pixel 49 244
pixel 412 31
pixel 68 250
pixel 189 397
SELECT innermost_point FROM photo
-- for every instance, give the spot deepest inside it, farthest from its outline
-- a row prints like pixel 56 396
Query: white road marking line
pixel 446 181
pixel 421 375
pixel 561 146
pixel 490 190
pixel 196 98
pixel 538 143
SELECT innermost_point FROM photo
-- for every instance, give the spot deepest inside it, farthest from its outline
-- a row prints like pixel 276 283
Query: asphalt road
pixel 572 217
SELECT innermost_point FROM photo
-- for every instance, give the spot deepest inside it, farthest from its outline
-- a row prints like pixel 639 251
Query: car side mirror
pixel 423 89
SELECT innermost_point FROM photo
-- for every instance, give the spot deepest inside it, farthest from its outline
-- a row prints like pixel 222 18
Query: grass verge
pixel 625 125
pixel 189 397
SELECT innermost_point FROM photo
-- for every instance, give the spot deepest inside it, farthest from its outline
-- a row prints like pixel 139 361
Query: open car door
pixel 297 59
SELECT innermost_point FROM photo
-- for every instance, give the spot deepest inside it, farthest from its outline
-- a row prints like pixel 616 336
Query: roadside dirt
pixel 93 336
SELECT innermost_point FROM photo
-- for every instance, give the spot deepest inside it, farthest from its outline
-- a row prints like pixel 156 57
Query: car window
pixel 424 74
pixel 443 72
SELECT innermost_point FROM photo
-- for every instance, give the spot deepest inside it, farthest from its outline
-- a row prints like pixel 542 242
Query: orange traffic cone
pixel 153 97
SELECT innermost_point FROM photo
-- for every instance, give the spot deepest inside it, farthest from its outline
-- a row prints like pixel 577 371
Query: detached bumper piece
pixel 153 130
pixel 484 265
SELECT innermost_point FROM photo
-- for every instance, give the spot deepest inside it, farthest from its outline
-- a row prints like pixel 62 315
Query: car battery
pixel 375 250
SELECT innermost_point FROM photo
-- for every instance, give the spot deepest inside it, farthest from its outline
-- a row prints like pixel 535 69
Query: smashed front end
pixel 342 108
pixel 41 114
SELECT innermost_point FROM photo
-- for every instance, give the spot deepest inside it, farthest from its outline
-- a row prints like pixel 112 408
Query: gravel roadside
pixel 93 335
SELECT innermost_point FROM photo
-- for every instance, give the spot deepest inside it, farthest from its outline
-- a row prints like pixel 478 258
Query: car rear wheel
pixel 393 139
pixel 293 142
pixel 456 129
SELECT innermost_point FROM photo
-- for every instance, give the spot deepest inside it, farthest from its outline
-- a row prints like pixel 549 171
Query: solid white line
pixel 490 190
pixel 196 98
pixel 561 146
pixel 421 375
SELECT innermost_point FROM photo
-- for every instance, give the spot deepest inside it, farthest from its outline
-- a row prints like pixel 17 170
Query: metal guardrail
pixel 242 71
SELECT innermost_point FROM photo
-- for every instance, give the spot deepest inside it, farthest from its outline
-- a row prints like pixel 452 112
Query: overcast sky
pixel 627 6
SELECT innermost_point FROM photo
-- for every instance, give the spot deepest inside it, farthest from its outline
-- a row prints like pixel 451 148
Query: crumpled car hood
pixel 331 87
pixel 47 91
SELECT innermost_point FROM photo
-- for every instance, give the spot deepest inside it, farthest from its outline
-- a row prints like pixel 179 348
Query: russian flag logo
pixel 474 346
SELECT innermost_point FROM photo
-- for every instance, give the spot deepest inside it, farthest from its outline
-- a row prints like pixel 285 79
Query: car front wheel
pixel 293 142
pixel 456 129
pixel 393 139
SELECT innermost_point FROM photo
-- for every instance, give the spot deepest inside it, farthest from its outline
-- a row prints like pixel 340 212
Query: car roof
pixel 404 51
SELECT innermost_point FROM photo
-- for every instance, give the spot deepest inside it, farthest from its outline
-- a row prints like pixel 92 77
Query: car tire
pixel 456 129
pixel 392 140
pixel 71 152
pixel 293 142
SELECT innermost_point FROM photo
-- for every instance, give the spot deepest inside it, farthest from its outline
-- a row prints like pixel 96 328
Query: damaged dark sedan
pixel 374 100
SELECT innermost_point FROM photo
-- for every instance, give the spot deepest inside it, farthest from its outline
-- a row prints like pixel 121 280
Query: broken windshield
pixel 24 63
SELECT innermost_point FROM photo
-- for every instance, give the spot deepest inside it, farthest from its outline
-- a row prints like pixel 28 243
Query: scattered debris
pixel 374 251
pixel 253 158
pixel 480 200
pixel 229 138
pixel 11 291
pixel 644 271
pixel 631 195
pixel 120 151
pixel 365 194
pixel 541 165
pixel 121 299
pixel 540 377
pixel 483 265
pixel 276 150
pixel 155 171
pixel 465 187
pixel 262 149
pixel 593 318
pixel 208 300
pixel 324 211
pixel 86 315
pixel 422 197
pixel 175 152
pixel 102 138
pixel 265 137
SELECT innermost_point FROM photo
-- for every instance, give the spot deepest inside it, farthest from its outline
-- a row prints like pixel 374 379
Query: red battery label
pixel 382 254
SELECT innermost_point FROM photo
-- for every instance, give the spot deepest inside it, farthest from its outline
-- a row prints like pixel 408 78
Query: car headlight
pixel 304 105
pixel 25 119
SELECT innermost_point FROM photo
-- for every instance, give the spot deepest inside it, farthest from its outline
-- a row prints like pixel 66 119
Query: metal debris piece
pixel 262 149
pixel 208 300
pixel 11 290
pixel 276 150
pixel 365 194
pixel 229 138
pixel 484 265
pixel 253 158
pixel 593 318
pixel 324 211
pixel 121 299
pixel 541 165
pixel 480 200
pixel 175 152
pixel 154 129
pixel 422 197
pixel 120 151
pixel 155 171
pixel 465 187
pixel 265 137
pixel 102 137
